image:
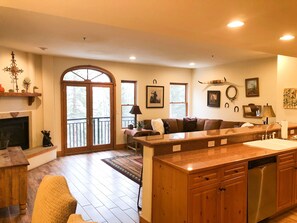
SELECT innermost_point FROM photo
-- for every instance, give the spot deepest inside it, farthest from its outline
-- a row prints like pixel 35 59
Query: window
pixel 178 100
pixel 128 100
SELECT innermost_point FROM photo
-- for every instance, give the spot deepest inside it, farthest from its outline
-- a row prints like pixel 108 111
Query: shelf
pixel 30 96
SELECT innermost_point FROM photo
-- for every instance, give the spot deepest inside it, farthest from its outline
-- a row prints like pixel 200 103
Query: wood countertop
pixel 176 138
pixel 197 160
pixel 12 156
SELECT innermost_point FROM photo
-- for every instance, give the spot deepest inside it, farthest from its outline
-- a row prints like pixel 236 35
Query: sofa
pixel 172 125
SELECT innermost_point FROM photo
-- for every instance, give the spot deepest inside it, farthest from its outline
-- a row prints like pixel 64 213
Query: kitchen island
pixel 220 147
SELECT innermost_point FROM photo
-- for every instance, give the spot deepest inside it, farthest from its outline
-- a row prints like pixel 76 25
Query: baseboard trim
pixel 120 146
pixel 142 220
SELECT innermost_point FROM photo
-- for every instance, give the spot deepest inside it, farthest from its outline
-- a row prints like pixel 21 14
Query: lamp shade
pixel 135 110
pixel 268 111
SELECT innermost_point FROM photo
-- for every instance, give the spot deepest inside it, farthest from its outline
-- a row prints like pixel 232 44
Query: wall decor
pixel 252 111
pixel 236 109
pixel 155 81
pixel 154 96
pixel 226 105
pixel 213 98
pixel 231 92
pixel 290 98
pixel 213 81
pixel 252 87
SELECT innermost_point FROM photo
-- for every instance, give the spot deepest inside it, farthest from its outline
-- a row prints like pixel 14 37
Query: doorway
pixel 87 110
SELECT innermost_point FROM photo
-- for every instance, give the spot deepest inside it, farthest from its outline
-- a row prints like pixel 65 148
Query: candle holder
pixel 14 72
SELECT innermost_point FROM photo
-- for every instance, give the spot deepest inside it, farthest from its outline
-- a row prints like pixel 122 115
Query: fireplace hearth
pixel 16 130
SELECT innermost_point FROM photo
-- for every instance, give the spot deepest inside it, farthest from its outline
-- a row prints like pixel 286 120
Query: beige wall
pixel 286 78
pixel 235 73
pixel 45 72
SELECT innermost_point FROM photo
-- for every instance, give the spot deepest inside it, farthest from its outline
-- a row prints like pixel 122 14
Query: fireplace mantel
pixel 31 96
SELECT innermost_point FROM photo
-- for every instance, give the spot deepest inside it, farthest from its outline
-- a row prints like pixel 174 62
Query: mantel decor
pixel 213 98
pixel 154 96
pixel 252 87
pixel 14 72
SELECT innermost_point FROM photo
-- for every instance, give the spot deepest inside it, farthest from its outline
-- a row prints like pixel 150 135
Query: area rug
pixel 129 165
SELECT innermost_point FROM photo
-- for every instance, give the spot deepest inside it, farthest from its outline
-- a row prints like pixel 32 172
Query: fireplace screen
pixel 16 130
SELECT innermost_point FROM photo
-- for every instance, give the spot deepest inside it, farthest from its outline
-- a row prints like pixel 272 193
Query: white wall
pixel 286 78
pixel 235 73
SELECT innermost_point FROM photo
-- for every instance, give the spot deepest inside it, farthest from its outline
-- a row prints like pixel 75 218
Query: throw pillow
pixel 247 124
pixel 190 124
pixel 166 127
pixel 158 125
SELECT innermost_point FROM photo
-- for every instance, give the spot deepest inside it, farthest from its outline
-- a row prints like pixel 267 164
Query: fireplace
pixel 16 130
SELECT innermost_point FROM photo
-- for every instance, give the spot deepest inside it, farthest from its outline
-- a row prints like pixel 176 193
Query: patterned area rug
pixel 129 165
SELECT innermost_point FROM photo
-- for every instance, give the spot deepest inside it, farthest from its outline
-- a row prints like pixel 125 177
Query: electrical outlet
pixel 292 131
pixel 176 148
pixel 223 141
pixel 211 143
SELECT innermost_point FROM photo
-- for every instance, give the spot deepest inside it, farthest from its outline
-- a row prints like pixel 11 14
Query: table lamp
pixel 267 112
pixel 136 111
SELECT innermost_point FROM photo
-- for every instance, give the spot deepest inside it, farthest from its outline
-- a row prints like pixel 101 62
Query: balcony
pixel 77 131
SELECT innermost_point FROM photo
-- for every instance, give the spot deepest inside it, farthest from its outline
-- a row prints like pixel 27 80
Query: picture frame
pixel 214 99
pixel 252 111
pixel 252 87
pixel 154 96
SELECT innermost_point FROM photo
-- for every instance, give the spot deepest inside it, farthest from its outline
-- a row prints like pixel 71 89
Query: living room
pixel 44 68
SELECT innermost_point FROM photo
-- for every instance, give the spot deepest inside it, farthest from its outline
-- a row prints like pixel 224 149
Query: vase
pixel 1 88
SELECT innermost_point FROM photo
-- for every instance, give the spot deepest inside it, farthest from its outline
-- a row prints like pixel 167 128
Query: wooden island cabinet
pixel 215 195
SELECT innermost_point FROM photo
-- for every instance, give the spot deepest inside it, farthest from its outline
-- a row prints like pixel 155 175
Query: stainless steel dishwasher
pixel 261 189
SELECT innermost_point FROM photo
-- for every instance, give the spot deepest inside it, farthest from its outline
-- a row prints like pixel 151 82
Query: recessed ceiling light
pixel 192 64
pixel 287 37
pixel 235 24
pixel 132 58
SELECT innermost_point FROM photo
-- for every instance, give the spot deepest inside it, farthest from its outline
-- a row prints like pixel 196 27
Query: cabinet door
pixel 286 177
pixel 203 207
pixel 233 200
pixel 285 180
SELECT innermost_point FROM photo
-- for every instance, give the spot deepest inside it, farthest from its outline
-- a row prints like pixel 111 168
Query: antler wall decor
pixel 213 81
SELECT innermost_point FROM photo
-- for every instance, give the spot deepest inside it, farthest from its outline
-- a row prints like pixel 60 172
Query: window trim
pixel 135 99
pixel 186 97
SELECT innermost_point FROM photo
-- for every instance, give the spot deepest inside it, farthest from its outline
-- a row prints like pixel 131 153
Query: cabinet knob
pixel 235 171
pixel 206 178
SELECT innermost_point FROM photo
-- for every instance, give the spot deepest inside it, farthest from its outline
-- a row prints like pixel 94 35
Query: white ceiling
pixel 164 32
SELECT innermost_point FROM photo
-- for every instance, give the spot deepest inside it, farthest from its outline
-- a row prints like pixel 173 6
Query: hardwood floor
pixel 104 195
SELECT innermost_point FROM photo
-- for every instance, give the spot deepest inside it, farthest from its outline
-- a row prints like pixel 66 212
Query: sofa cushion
pixel 147 124
pixel 158 125
pixel 212 124
pixel 200 124
pixel 190 124
pixel 173 128
pixel 180 125
pixel 229 124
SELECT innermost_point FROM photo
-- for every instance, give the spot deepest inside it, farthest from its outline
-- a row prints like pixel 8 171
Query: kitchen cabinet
pixel 216 195
pixel 287 179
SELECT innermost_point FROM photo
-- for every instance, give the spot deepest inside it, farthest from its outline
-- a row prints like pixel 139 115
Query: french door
pixel 87 119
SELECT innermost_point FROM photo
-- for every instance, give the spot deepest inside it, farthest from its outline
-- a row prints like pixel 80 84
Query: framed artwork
pixel 290 98
pixel 252 87
pixel 213 98
pixel 154 96
pixel 252 111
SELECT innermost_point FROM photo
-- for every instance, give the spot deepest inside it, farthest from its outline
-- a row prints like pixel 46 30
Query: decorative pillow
pixel 211 124
pixel 158 125
pixel 190 124
pixel 166 127
pixel 247 124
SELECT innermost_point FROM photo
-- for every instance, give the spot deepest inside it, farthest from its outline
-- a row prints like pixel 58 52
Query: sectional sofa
pixel 172 125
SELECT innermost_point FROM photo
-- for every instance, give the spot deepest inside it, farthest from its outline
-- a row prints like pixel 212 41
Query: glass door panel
pixel 101 116
pixel 76 102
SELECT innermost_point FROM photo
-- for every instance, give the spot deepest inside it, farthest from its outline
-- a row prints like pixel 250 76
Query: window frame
pixel 135 99
pixel 175 103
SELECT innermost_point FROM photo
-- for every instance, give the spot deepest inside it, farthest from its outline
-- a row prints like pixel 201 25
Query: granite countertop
pixel 197 160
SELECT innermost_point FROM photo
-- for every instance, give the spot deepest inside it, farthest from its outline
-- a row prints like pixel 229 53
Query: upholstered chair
pixel 54 202
pixel 76 218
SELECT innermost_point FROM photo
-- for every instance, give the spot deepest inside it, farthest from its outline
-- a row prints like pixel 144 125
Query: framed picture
pixel 252 111
pixel 155 96
pixel 213 98
pixel 252 87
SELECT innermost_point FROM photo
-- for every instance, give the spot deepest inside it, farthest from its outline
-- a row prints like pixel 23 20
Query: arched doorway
pixel 88 106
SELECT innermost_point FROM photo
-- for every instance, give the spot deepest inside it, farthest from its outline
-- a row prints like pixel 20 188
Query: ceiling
pixel 163 32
